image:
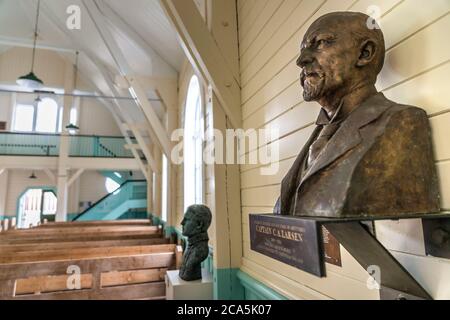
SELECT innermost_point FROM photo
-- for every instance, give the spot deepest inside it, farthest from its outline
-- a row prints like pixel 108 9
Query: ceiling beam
pixel 28 43
pixel 117 21
pixel 105 75
pixel 125 70
pixel 204 54
pixel 74 177
pixel 144 147
pixel 50 175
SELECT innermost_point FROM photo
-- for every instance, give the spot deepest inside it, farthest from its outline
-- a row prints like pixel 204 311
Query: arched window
pixel 193 142
pixel 165 184
pixel 47 116
pixel 111 185
pixel 43 116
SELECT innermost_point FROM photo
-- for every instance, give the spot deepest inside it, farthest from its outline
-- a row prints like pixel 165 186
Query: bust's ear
pixel 368 50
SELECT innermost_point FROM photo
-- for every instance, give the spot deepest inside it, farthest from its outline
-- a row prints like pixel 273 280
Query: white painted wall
pixel 94 118
pixel 416 72
pixel 18 182
pixel 92 186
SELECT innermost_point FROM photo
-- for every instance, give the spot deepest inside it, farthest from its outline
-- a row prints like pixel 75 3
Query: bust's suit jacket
pixel 379 162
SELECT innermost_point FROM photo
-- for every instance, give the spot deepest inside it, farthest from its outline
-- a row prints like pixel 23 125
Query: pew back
pixel 135 272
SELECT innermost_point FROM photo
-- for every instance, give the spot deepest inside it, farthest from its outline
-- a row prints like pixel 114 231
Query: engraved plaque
pixel 294 241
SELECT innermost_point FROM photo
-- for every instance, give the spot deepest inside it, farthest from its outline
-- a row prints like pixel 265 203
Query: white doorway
pixel 35 205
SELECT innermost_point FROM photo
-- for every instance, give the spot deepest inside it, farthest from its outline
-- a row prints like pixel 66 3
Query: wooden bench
pixel 7 224
pixel 92 233
pixel 5 248
pixel 137 222
pixel 135 272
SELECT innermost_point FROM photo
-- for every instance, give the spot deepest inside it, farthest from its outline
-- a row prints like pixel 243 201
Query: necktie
pixel 324 136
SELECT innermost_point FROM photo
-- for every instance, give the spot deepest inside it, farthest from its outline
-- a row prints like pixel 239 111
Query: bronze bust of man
pixel 196 222
pixel 368 156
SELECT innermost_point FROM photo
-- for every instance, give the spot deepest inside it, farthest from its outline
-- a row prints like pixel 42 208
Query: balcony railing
pixel 34 144
pixel 24 144
pixel 97 146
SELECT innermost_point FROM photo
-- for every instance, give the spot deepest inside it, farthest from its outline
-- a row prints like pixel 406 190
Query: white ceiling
pixel 140 28
pixel 145 18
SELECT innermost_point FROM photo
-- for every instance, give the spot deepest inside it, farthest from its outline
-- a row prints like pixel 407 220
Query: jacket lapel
pixel 347 136
pixel 289 182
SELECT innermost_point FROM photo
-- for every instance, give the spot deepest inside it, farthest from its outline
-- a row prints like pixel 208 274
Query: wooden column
pixel 64 145
pixel 227 222
pixel 158 181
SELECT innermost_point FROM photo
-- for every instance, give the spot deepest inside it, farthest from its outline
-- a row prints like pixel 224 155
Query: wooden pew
pixel 79 229
pixel 38 235
pixel 6 248
pixel 135 272
pixel 137 222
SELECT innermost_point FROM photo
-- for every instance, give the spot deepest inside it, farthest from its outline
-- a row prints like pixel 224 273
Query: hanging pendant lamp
pixel 33 176
pixel 30 80
pixel 72 128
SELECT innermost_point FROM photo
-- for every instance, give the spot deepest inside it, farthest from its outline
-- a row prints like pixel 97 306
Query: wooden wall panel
pixel 416 73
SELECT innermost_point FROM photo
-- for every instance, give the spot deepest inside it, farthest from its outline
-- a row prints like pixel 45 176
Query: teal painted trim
pixel 134 215
pixel 226 285
pixel 208 264
pixel 157 221
pixel 97 146
pixel 256 290
pixel 130 195
pixel 71 216
pixel 26 144
pixel 36 144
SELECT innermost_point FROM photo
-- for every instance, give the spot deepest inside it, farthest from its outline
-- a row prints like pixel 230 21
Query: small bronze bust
pixel 196 222
pixel 368 156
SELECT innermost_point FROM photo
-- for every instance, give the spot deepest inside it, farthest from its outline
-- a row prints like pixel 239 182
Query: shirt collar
pixel 198 238
pixel 323 119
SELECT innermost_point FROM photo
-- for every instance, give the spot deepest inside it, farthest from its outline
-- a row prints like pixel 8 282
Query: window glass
pixel 47 116
pixel 23 118
pixel 111 185
pixel 60 119
pixel 73 115
pixel 165 178
pixel 193 143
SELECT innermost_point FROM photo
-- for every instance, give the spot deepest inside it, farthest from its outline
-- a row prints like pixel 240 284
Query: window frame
pixel 35 105
pixel 196 116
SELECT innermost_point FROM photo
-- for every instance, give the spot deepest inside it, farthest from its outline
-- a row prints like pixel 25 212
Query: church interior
pixel 144 146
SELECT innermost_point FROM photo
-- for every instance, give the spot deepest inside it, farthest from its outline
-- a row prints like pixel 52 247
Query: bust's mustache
pixel 313 82
pixel 310 73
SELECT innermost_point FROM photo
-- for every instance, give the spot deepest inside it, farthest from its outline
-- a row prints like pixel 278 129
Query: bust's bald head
pixel 360 27
pixel 338 50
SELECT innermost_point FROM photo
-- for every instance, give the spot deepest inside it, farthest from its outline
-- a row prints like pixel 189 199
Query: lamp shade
pixel 30 81
pixel 72 128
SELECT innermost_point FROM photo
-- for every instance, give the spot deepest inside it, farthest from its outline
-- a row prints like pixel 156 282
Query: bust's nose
pixel 305 58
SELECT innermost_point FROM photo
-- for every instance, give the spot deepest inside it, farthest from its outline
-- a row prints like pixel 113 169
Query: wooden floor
pixel 102 260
